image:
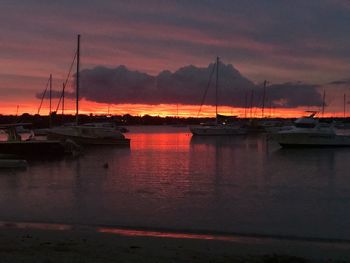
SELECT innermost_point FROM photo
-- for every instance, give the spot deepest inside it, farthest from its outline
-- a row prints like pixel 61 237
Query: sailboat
pixel 85 134
pixel 219 127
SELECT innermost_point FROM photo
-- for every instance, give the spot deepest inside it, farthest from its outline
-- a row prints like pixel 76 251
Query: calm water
pixel 169 179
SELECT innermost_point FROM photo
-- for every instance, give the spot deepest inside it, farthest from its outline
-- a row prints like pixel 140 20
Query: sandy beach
pixel 32 244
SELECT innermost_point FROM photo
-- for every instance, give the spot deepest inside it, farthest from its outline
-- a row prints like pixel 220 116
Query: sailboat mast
pixel 63 88
pixel 50 111
pixel 216 90
pixel 50 92
pixel 77 83
pixel 245 104
pixel 263 101
pixel 323 102
pixel 344 105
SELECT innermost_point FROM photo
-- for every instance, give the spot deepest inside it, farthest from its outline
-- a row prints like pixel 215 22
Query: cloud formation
pixel 281 41
pixel 188 85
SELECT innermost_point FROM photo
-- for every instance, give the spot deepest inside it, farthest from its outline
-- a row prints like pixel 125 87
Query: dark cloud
pixel 290 95
pixel 187 86
pixel 340 82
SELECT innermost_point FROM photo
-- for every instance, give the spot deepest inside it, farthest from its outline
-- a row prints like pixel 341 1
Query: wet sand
pixel 39 245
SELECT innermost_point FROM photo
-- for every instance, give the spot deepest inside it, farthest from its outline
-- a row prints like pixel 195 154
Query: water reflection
pixel 173 180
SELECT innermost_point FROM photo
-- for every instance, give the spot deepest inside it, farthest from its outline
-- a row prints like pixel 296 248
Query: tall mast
pixel 246 104
pixel 43 96
pixel 63 87
pixel 77 84
pixel 344 105
pixel 263 101
pixel 50 93
pixel 50 121
pixel 323 101
pixel 216 90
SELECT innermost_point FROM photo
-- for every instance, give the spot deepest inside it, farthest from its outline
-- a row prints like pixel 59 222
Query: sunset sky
pixel 301 47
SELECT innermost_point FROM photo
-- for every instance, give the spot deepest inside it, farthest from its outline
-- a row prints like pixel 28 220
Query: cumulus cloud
pixel 188 85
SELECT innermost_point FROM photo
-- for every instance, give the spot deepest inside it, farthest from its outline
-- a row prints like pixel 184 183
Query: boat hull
pixel 90 140
pixel 88 135
pixel 32 148
pixel 311 140
pixel 216 131
pixel 11 163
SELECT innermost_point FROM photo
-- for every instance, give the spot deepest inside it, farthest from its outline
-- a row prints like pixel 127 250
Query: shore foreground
pixel 38 245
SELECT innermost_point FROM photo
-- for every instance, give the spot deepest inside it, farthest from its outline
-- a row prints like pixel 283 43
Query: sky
pixel 155 57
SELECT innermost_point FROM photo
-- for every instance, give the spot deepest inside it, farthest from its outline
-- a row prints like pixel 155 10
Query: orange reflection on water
pixel 175 235
pixel 160 141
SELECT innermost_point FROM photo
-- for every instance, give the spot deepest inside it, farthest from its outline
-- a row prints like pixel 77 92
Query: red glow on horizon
pixel 162 110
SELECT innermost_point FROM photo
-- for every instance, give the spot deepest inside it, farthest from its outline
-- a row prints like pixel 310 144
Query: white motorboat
pixel 309 132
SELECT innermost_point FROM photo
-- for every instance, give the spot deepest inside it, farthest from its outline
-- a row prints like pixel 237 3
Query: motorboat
pixel 31 146
pixel 310 132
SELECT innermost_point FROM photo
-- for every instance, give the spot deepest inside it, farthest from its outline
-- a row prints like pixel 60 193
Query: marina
pixel 174 131
pixel 169 179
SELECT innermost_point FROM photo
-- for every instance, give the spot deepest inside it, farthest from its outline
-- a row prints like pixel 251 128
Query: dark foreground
pixel 37 245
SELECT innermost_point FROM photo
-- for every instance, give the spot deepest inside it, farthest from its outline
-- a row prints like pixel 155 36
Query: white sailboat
pixel 309 132
pixel 217 128
pixel 85 134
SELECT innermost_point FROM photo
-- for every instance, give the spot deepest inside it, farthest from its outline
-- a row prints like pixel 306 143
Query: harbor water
pixel 169 179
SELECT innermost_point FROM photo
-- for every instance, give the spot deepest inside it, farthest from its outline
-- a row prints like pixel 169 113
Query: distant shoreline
pixel 43 121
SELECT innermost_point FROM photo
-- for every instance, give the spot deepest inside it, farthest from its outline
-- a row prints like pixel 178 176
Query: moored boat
pixel 309 132
pixel 30 147
pixel 220 129
pixel 110 125
pixel 88 135
pixel 13 163
pixel 222 125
